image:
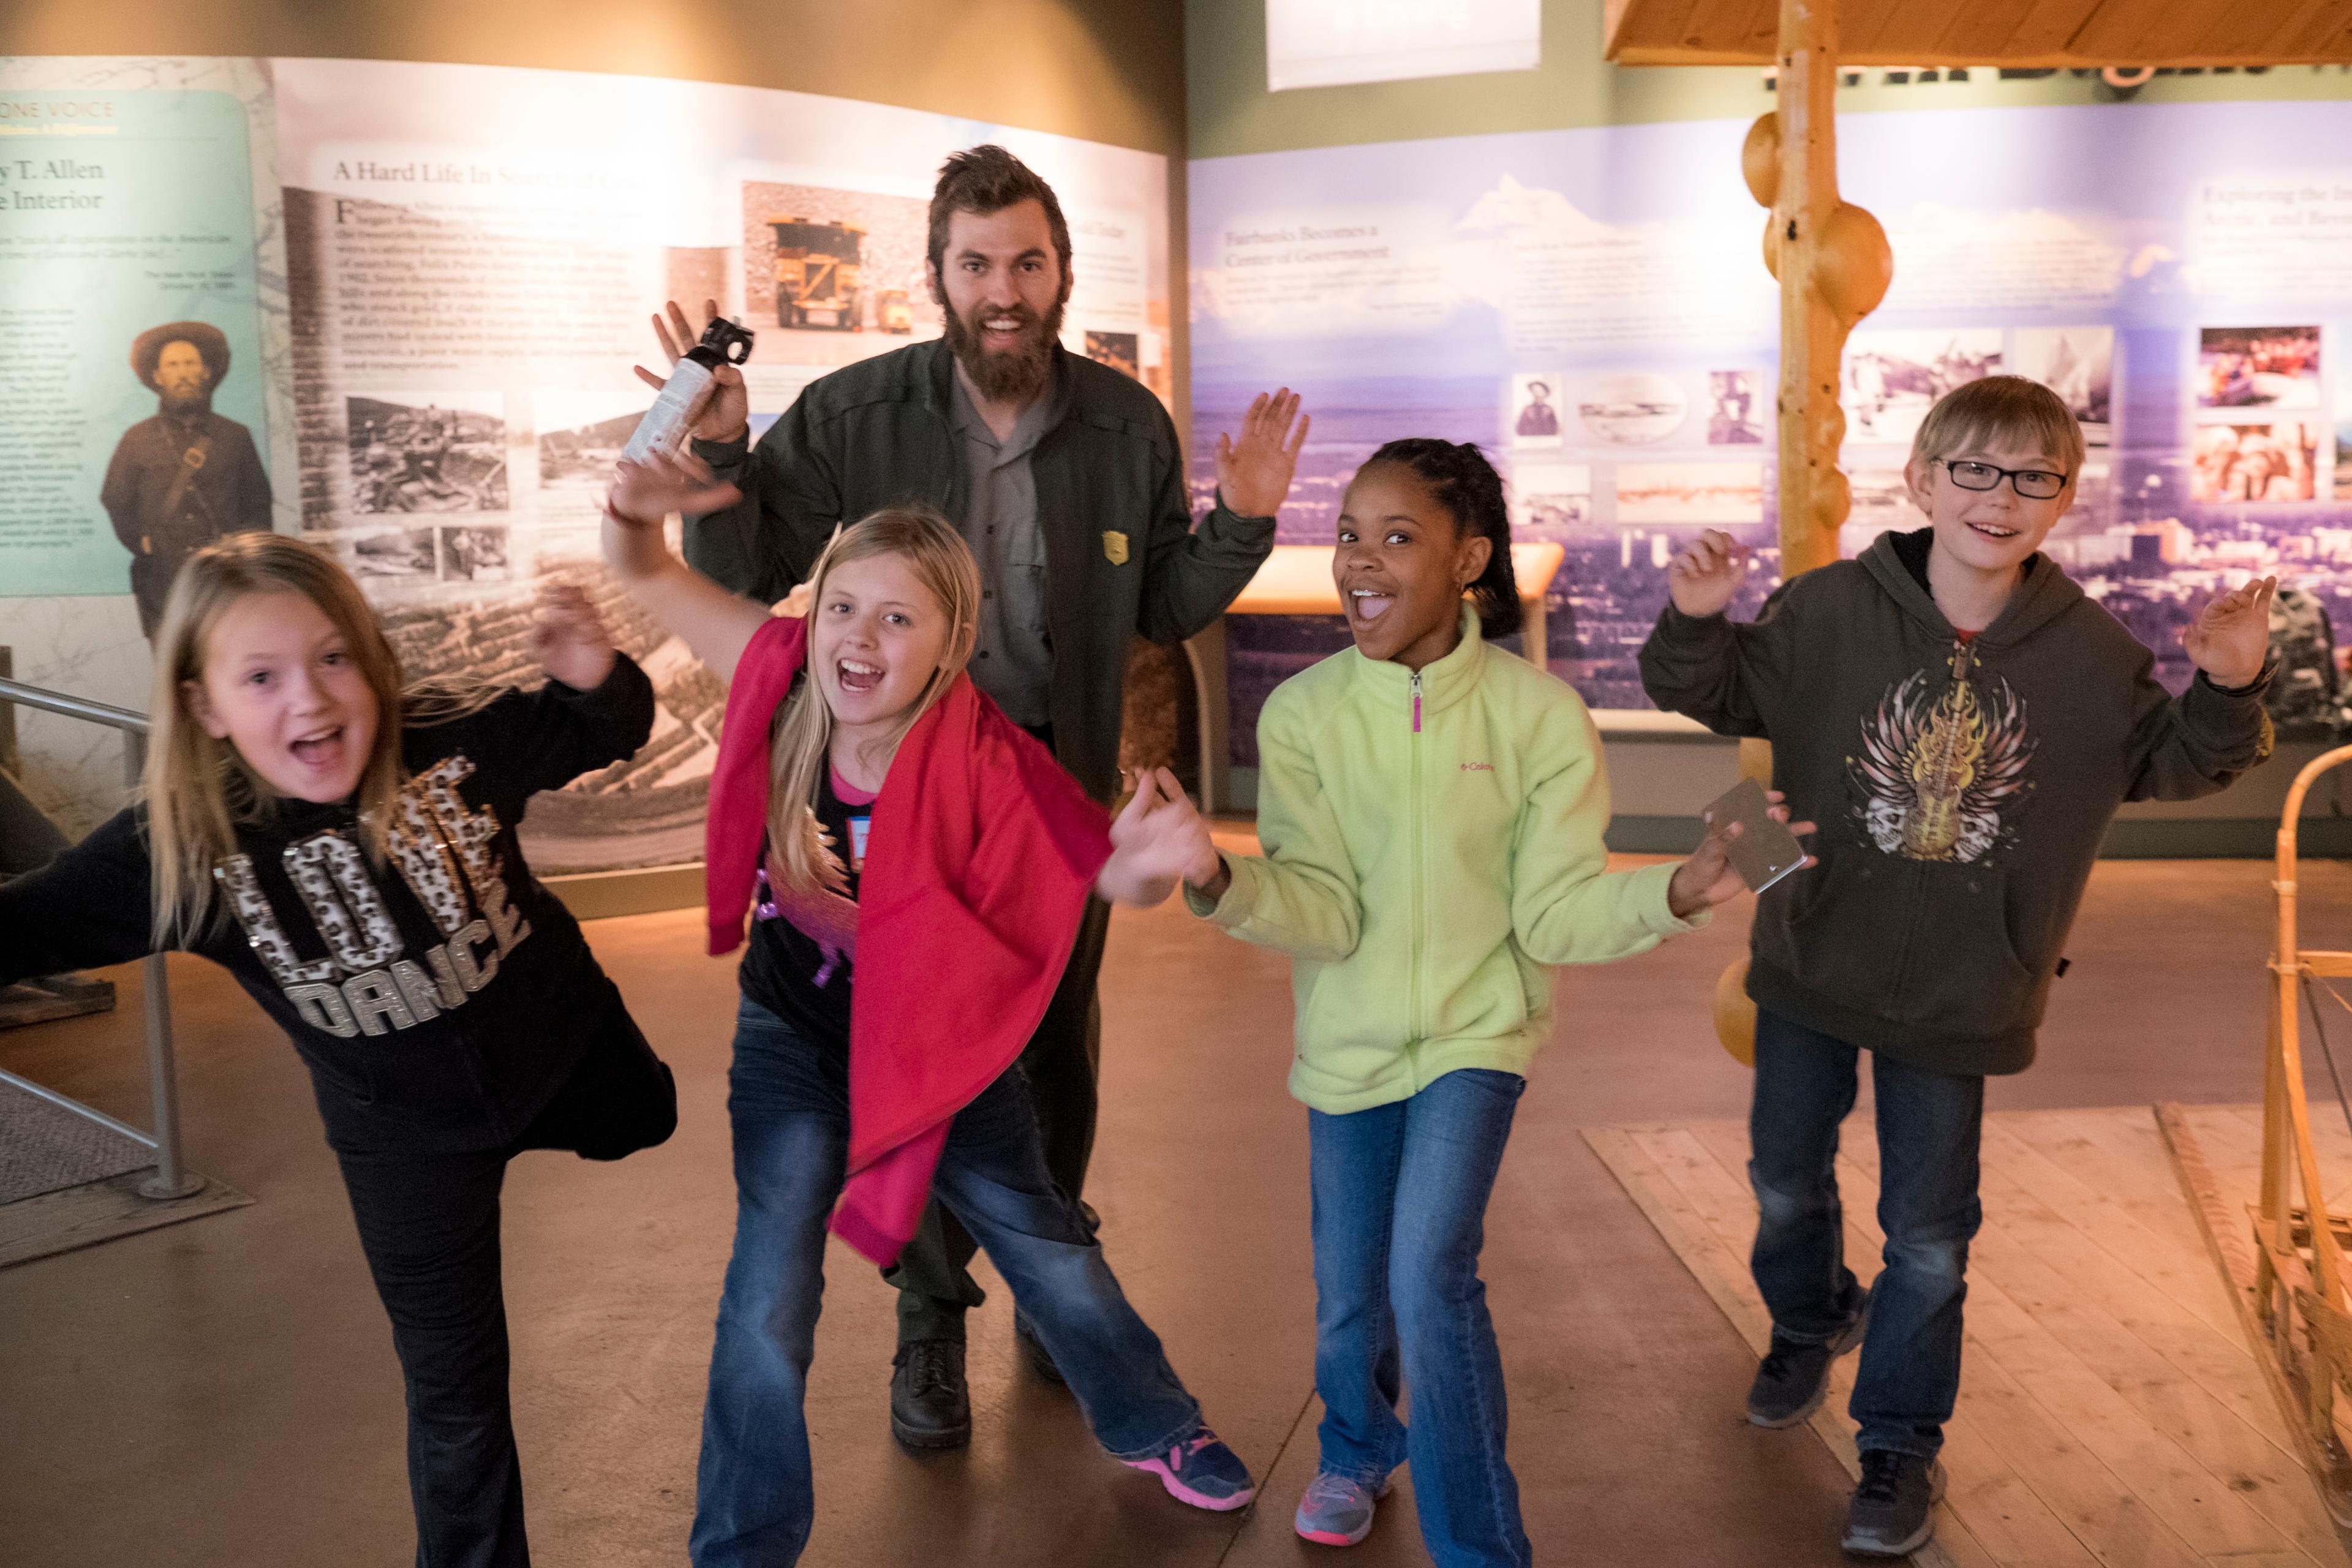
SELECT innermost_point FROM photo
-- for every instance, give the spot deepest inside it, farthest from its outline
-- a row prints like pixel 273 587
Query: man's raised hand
pixel 1707 574
pixel 1254 469
pixel 726 410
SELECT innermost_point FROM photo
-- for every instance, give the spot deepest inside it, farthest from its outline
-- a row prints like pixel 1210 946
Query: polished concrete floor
pixel 224 1391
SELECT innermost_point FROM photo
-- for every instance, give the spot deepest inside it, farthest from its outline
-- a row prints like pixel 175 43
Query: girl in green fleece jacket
pixel 1431 810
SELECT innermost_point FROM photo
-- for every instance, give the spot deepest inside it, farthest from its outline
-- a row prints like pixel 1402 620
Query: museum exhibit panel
pixel 375 278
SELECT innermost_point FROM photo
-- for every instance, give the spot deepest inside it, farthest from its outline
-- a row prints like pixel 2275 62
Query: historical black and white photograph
pixel 428 452
pixel 1630 407
pixel 581 434
pixel 395 556
pixel 1535 411
pixel 476 554
pixel 2078 363
pixel 1548 499
pixel 1892 378
pixel 1736 407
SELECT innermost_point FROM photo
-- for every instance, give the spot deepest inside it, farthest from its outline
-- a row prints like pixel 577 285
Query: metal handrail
pixel 172 1179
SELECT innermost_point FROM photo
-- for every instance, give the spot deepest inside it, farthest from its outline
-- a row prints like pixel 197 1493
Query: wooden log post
pixel 1834 265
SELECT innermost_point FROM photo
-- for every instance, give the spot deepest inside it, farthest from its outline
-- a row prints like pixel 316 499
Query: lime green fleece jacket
pixel 1432 841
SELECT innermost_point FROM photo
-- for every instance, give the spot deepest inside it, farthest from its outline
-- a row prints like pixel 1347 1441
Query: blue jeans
pixel 1929 1125
pixel 789 1101
pixel 1399 1215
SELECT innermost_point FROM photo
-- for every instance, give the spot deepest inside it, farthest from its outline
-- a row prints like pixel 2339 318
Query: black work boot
pixel 929 1405
pixel 1794 1375
pixel 1894 1509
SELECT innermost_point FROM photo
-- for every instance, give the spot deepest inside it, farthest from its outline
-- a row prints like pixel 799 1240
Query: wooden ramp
pixel 2110 1412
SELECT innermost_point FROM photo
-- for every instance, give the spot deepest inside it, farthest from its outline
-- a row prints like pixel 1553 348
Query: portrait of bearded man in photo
pixel 187 476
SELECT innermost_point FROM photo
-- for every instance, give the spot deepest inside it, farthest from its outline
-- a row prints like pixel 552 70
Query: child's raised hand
pixel 1707 878
pixel 1707 574
pixel 569 638
pixel 1155 840
pixel 643 493
pixel 2230 638
pixel 1254 470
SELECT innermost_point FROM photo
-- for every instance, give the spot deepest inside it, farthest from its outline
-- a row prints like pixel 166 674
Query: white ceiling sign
pixel 1324 43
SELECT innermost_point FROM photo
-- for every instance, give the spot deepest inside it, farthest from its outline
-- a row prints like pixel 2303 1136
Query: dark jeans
pixel 789 1102
pixel 429 1225
pixel 1399 1195
pixel 1928 1128
pixel 933 1276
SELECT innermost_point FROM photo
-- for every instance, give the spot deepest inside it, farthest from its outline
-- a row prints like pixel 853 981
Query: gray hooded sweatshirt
pixel 1961 786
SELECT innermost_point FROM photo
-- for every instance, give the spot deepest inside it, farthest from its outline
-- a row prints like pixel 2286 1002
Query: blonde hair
pixel 797 752
pixel 198 788
pixel 2000 408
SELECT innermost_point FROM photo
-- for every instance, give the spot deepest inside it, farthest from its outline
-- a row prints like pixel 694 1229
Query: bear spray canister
pixel 663 427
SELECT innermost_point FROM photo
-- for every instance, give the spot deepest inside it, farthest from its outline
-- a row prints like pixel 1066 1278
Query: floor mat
pixel 44 1148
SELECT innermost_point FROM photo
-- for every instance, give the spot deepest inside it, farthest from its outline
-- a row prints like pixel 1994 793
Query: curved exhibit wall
pixel 432 280
pixel 1589 304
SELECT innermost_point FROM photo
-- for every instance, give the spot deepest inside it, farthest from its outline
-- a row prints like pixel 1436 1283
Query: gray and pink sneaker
pixel 1203 1472
pixel 1335 1511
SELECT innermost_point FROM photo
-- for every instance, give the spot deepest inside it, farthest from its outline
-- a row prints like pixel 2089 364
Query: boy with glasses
pixel 1963 722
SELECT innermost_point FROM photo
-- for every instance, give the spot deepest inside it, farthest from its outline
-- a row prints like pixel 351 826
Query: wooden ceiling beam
pixel 2172 30
pixel 2181 34
pixel 1982 31
pixel 1876 26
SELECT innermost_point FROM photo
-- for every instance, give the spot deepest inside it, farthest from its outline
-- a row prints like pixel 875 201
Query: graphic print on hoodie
pixel 369 981
pixel 1941 774
pixel 1963 786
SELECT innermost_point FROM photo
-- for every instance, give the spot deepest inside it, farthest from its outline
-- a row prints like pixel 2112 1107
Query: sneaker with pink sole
pixel 1203 1472
pixel 1336 1511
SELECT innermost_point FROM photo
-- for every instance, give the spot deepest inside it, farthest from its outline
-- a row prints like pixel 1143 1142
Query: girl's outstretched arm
pixel 1301 897
pixel 716 624
pixel 87 906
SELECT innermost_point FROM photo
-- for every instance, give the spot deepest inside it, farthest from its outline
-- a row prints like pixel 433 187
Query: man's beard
pixel 185 403
pixel 1011 375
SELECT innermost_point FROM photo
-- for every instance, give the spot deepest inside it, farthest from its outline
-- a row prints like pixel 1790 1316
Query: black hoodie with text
pixel 439 997
pixel 1962 788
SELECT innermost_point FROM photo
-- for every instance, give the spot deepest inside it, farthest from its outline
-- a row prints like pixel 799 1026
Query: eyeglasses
pixel 2034 484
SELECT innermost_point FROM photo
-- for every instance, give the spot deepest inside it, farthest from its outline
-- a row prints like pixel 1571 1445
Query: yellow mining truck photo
pixel 893 312
pixel 817 273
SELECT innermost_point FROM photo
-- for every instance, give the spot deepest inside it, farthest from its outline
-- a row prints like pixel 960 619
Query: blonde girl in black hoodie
pixel 346 848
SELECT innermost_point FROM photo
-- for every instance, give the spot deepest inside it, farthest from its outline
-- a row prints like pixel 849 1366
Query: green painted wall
pixel 1229 111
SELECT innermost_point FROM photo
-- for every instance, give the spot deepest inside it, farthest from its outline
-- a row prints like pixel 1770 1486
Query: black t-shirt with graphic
pixel 440 995
pixel 804 944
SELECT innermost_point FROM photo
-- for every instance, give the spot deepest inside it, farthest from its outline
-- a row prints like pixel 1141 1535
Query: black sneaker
pixel 1033 1351
pixel 1794 1376
pixel 929 1405
pixel 1895 1506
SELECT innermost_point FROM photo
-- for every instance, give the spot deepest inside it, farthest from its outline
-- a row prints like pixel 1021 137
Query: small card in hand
pixel 1765 851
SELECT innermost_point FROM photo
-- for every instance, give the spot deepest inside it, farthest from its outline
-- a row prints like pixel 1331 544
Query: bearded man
pixel 186 477
pixel 1067 482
